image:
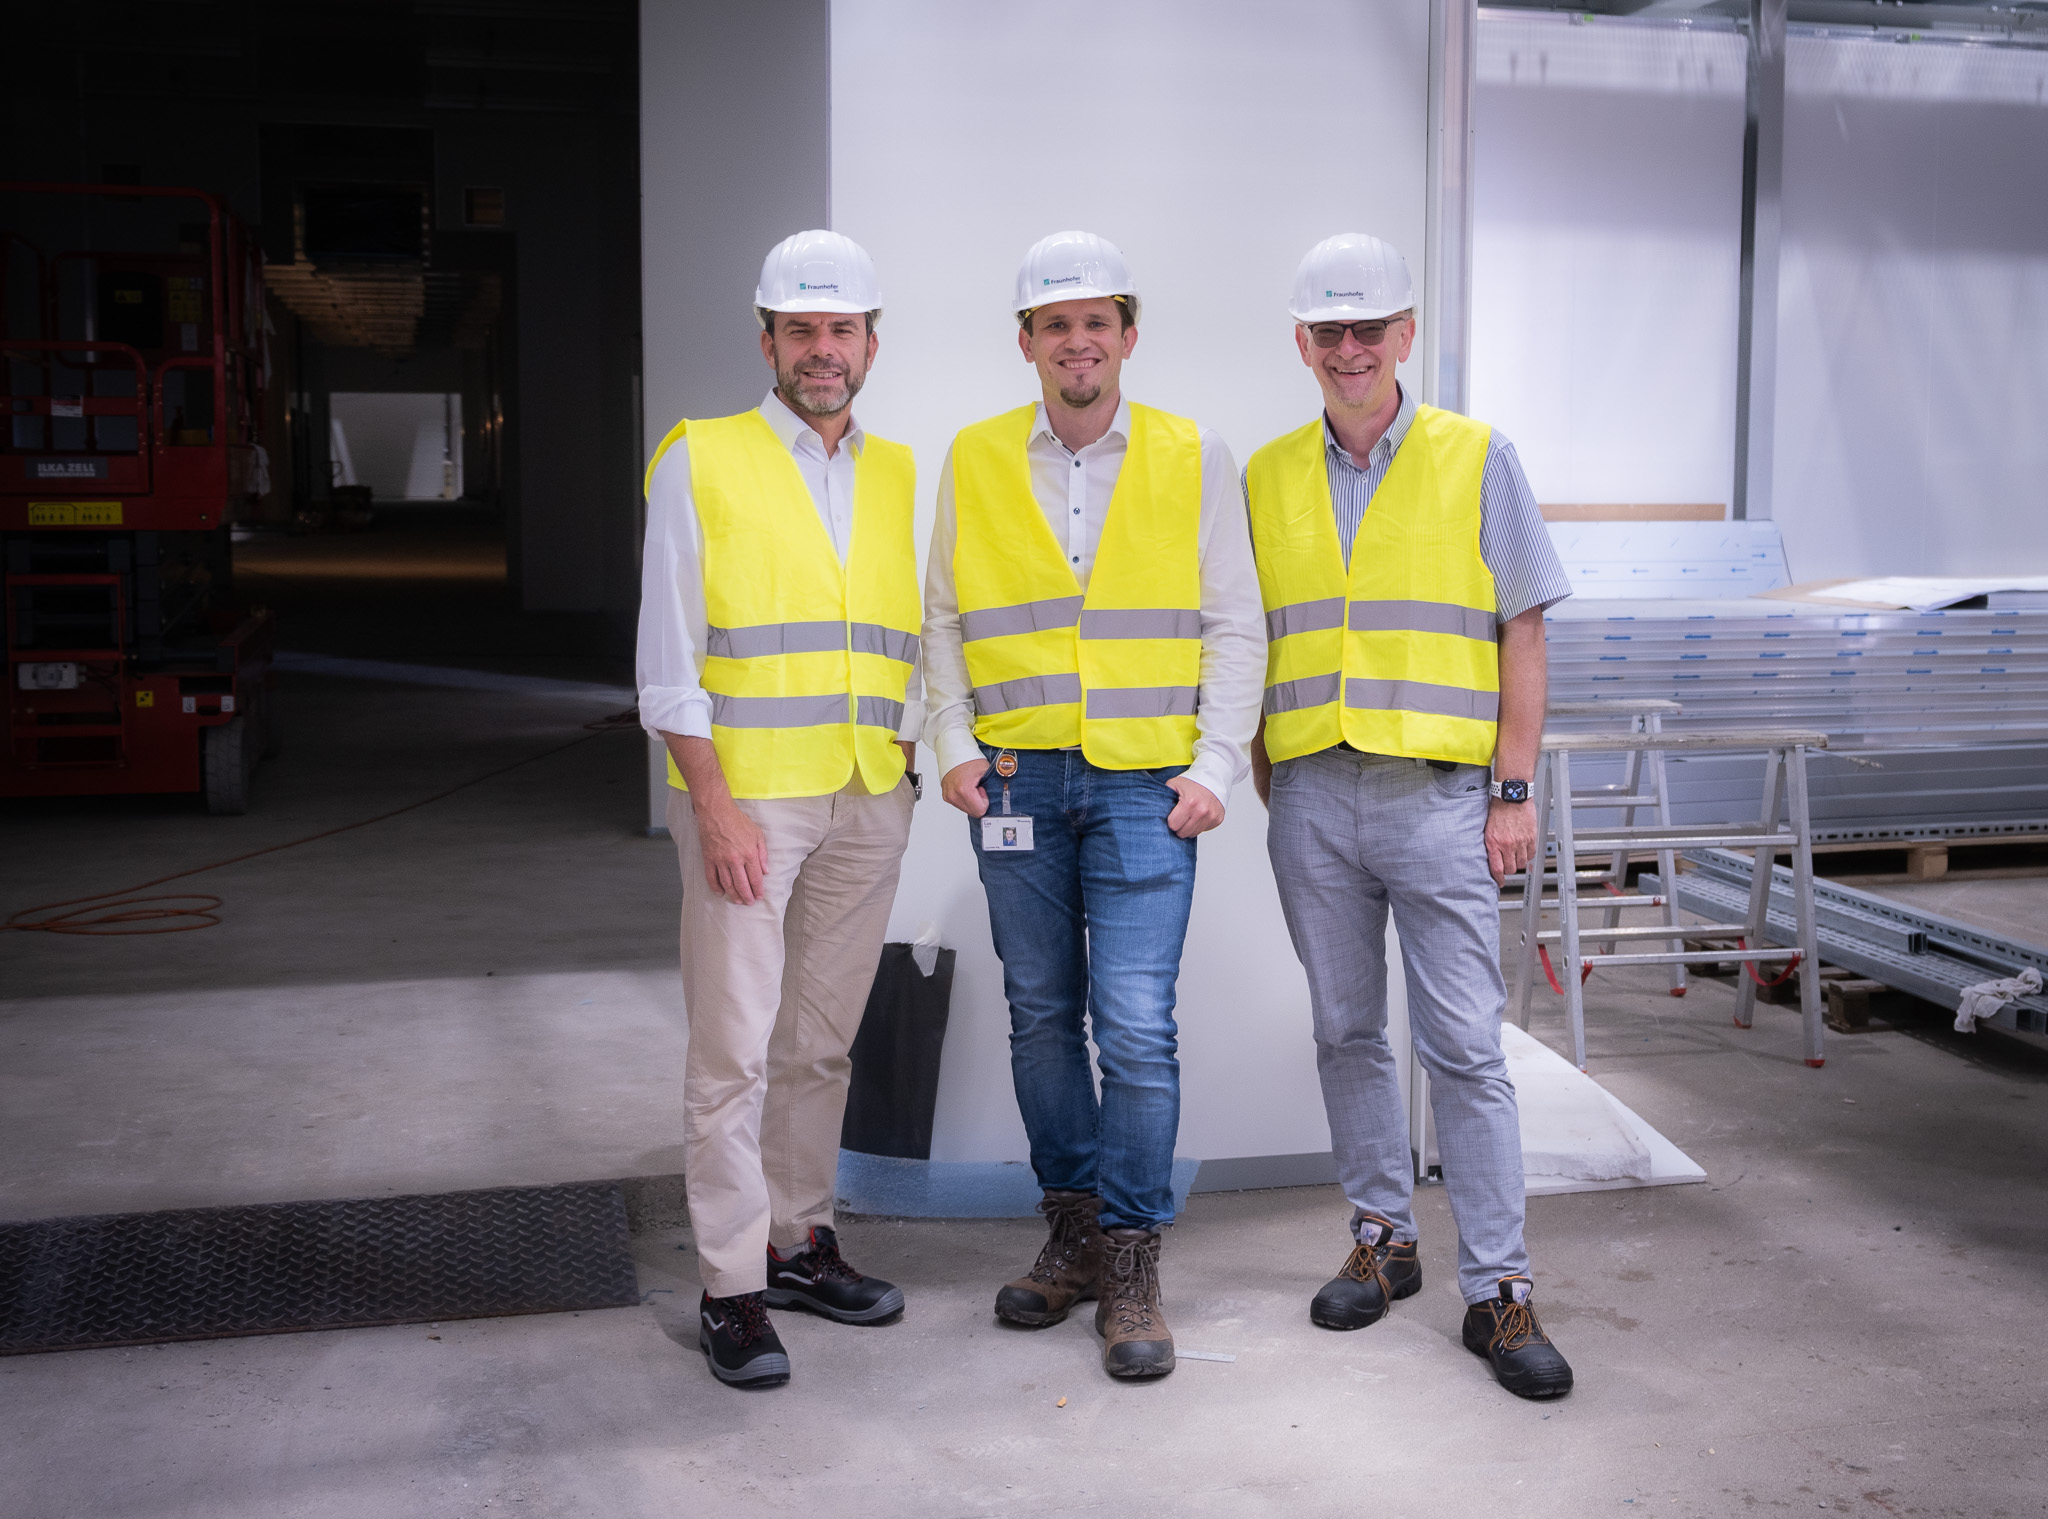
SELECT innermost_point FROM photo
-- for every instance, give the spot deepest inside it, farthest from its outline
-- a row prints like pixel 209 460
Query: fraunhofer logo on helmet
pixel 1347 295
pixel 1064 279
pixel 802 286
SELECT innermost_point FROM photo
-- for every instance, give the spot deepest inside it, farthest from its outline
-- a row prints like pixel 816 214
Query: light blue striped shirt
pixel 1512 539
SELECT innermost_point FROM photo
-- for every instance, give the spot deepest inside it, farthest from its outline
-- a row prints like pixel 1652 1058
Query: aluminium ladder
pixel 1784 792
pixel 1643 785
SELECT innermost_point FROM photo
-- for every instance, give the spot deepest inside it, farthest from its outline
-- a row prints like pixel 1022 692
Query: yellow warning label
pixel 145 698
pixel 74 514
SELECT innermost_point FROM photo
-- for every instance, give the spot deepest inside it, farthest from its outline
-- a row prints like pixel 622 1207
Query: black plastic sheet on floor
pixel 274 1268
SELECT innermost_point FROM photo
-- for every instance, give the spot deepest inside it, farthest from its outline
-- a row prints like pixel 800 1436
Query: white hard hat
pixel 1073 266
pixel 817 271
pixel 1352 277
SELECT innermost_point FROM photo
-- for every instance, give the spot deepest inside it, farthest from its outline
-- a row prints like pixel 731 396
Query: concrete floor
pixel 481 992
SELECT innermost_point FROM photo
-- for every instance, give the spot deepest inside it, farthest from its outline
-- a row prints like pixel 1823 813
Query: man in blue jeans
pixel 1094 654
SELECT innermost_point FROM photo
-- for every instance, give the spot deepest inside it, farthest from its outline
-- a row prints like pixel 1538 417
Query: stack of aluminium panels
pixel 1937 722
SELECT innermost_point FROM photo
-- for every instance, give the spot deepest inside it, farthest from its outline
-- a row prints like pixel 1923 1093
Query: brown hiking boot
pixel 1067 1269
pixel 1135 1339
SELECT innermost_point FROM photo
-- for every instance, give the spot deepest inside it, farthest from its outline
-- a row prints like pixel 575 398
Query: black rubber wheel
pixel 224 765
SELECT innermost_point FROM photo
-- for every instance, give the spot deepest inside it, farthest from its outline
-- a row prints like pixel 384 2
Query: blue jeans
pixel 1090 922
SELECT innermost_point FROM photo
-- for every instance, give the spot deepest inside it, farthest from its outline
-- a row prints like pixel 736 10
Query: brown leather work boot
pixel 1067 1269
pixel 1135 1339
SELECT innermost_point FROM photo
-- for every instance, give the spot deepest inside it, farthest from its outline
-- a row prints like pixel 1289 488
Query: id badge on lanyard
pixel 1006 832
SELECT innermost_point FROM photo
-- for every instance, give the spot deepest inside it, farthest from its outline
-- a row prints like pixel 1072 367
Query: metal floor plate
pixel 274 1268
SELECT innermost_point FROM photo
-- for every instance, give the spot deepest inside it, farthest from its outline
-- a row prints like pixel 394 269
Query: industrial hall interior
pixel 898 758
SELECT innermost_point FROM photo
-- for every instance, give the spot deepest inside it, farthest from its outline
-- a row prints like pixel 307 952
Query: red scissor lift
pixel 135 407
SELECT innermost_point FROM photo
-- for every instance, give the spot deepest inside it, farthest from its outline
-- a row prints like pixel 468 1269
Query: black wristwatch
pixel 1511 791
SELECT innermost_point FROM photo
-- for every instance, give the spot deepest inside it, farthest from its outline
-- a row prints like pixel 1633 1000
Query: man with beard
pixel 1093 655
pixel 777 662
pixel 1405 571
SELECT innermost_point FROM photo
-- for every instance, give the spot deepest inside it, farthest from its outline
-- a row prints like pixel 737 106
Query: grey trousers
pixel 1352 835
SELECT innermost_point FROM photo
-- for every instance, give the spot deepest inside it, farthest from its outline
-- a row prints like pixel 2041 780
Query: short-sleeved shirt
pixel 1512 539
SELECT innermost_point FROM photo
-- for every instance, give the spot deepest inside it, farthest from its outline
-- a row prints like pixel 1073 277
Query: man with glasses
pixel 1405 570
pixel 1092 663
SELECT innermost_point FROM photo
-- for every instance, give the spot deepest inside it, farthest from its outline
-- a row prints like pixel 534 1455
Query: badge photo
pixel 1005 835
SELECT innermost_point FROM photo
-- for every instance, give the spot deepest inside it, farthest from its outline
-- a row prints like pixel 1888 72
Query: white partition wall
pixel 1606 254
pixel 1913 284
pixel 1912 374
pixel 1214 142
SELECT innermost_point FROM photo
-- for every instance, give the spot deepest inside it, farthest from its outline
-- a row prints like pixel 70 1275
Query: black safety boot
pixel 739 1342
pixel 818 1278
pixel 1135 1339
pixel 1504 1330
pixel 1381 1271
pixel 1068 1268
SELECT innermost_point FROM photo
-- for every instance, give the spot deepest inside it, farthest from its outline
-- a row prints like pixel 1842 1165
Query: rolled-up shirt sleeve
pixel 1233 628
pixel 948 692
pixel 672 698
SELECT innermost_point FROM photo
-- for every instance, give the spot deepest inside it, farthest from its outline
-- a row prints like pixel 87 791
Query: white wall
pixel 734 149
pixel 1213 142
pixel 396 442
pixel 1913 325
pixel 1913 292
pixel 1606 255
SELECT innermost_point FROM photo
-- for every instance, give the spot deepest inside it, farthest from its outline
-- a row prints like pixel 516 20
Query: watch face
pixel 1514 791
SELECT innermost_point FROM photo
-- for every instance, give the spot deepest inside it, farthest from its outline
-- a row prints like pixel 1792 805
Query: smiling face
pixel 1078 348
pixel 1353 376
pixel 820 359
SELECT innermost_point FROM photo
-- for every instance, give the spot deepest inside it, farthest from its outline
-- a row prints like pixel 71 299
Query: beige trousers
pixel 774 994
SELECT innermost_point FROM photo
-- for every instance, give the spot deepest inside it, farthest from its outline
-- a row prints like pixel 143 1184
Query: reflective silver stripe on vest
pixel 1142 701
pixel 767 639
pixel 1305 617
pixel 1024 617
pixel 1166 622
pixel 1424 617
pixel 1421 696
pixel 1309 691
pixel 1026 691
pixel 890 643
pixel 878 712
pixel 777 711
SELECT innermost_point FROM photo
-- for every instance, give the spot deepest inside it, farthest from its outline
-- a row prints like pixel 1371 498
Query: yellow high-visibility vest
pixel 806 661
pixel 1402 655
pixel 1115 671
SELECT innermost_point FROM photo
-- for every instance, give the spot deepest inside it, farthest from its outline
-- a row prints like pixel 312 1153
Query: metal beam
pixel 1447 254
pixel 1763 176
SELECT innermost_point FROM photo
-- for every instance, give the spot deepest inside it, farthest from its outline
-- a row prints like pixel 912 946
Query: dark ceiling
pixel 437 55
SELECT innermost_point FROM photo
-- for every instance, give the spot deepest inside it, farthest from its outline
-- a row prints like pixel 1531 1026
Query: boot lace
pixel 746 1318
pixel 1368 1263
pixel 1068 1221
pixel 1130 1270
pixel 828 1263
pixel 1514 1326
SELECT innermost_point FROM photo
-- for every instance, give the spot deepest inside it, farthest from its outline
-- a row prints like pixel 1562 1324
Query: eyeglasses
pixel 1369 334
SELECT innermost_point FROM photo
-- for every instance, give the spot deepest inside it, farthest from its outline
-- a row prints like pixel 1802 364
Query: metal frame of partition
pixel 1925 954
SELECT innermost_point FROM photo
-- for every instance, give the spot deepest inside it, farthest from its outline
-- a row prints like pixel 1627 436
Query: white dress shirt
pixel 1073 490
pixel 670 660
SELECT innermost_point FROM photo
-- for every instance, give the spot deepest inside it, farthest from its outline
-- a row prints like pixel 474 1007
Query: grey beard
pixel 790 387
